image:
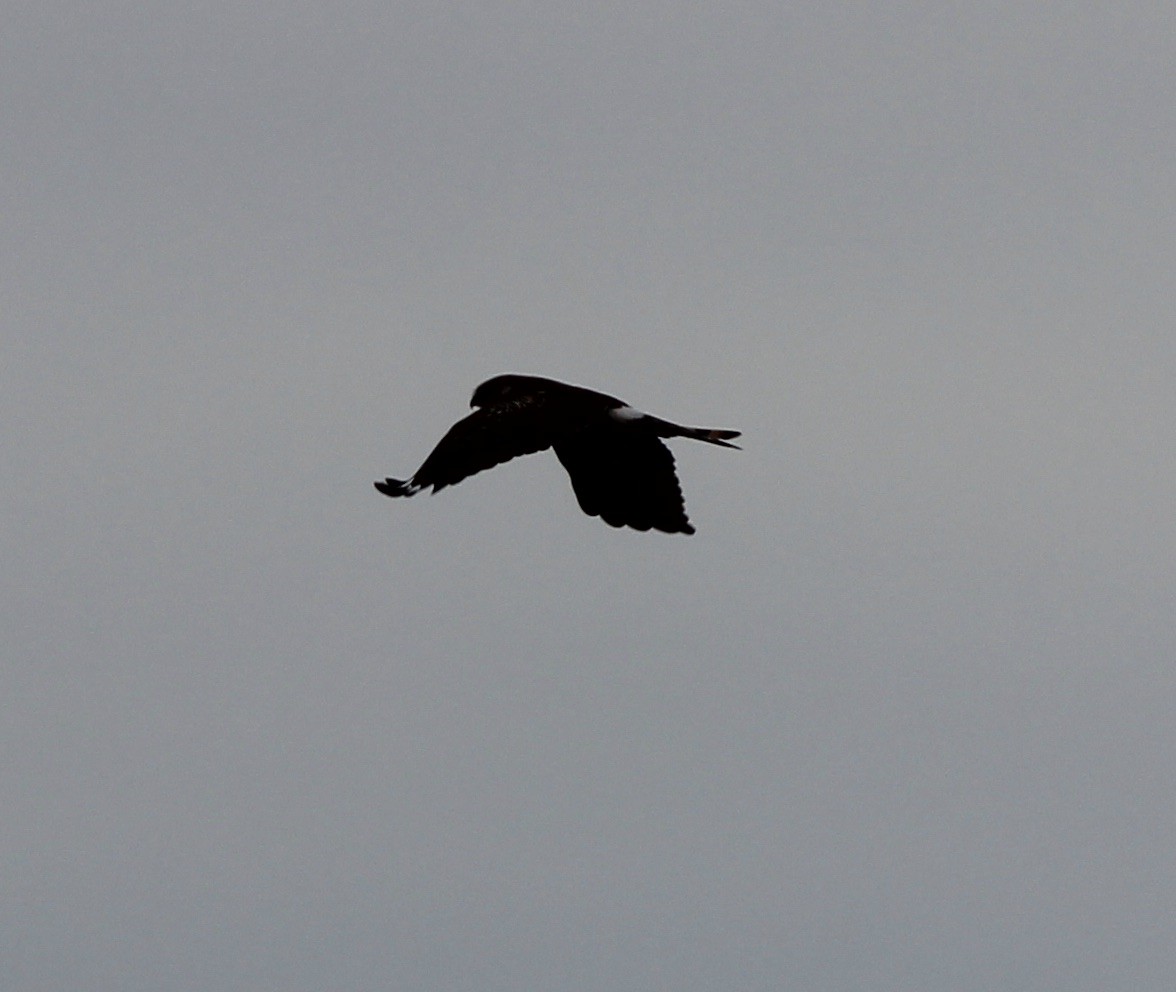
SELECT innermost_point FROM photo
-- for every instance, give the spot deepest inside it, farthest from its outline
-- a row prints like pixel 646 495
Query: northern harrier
pixel 620 470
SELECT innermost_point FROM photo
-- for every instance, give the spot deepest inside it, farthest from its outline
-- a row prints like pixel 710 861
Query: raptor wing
pixel 626 477
pixel 489 436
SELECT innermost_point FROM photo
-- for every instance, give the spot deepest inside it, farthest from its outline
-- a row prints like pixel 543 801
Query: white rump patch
pixel 626 413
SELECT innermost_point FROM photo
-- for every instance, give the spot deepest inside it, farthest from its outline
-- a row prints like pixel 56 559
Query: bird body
pixel 619 467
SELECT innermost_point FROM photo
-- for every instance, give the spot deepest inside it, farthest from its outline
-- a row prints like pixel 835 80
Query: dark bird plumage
pixel 620 469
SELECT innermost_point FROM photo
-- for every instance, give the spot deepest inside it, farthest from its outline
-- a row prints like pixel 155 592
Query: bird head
pixel 502 388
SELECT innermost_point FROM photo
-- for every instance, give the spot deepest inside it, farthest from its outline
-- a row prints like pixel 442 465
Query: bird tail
pixel 397 487
pixel 708 434
pixel 714 436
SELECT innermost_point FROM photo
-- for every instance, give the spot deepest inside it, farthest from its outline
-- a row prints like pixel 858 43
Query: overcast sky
pixel 901 716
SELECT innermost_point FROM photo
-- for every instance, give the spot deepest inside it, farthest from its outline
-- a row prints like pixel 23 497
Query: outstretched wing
pixel 489 436
pixel 626 477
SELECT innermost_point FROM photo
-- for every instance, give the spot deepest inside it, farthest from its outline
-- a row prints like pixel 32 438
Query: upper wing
pixel 626 477
pixel 489 436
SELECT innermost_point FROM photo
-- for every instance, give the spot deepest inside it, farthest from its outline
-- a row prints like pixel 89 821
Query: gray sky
pixel 900 716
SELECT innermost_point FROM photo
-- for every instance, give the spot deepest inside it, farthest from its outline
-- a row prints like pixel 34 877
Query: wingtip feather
pixel 396 487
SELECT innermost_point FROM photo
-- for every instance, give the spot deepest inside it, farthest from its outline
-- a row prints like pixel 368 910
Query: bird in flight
pixel 620 469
